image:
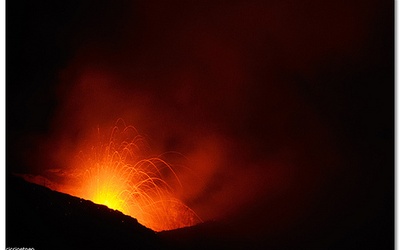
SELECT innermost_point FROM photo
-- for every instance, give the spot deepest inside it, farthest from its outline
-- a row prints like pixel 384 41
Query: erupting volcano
pixel 113 170
pixel 246 124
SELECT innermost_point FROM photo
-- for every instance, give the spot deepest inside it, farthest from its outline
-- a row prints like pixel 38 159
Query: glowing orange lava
pixel 115 173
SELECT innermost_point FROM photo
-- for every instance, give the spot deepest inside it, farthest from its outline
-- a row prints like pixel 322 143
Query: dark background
pixel 306 87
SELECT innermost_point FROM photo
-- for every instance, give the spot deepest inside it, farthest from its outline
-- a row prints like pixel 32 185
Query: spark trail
pixel 115 172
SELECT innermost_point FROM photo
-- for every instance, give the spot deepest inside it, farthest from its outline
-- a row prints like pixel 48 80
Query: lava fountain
pixel 115 172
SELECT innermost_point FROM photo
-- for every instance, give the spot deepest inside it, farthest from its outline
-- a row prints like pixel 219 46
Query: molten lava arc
pixel 115 172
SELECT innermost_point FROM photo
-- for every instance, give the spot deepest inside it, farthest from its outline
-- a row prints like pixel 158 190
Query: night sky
pixel 284 110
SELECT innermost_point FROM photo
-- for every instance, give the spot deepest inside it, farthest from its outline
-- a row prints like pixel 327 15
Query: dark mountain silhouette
pixel 40 218
pixel 44 219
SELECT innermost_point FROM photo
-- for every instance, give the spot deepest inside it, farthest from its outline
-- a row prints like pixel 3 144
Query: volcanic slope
pixel 37 217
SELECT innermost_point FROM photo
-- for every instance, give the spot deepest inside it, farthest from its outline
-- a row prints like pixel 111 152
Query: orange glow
pixel 115 173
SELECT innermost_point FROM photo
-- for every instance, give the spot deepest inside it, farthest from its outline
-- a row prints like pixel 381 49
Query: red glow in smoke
pixel 219 83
